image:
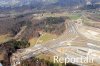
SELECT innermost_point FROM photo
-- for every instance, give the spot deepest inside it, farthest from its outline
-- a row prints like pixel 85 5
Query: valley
pixel 65 34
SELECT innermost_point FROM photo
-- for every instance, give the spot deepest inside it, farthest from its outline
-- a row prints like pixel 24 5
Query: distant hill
pixel 10 4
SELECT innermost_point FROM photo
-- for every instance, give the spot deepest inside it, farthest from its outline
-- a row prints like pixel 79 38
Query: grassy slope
pixel 4 38
pixel 74 16
pixel 43 39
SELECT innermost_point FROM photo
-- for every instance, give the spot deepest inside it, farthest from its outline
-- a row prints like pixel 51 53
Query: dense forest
pixel 8 48
pixel 55 25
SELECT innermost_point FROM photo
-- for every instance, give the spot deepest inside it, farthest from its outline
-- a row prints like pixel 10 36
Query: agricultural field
pixel 5 38
pixel 74 16
pixel 45 37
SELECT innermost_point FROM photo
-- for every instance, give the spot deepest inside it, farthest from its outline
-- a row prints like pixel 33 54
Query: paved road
pixel 70 35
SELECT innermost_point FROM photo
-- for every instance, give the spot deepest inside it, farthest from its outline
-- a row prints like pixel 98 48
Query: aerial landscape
pixel 49 32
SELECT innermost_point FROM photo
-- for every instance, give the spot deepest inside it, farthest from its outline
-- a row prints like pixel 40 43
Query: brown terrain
pixel 15 26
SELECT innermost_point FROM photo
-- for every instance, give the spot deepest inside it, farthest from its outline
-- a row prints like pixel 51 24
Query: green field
pixel 74 16
pixel 4 38
pixel 33 41
pixel 42 39
pixel 46 37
